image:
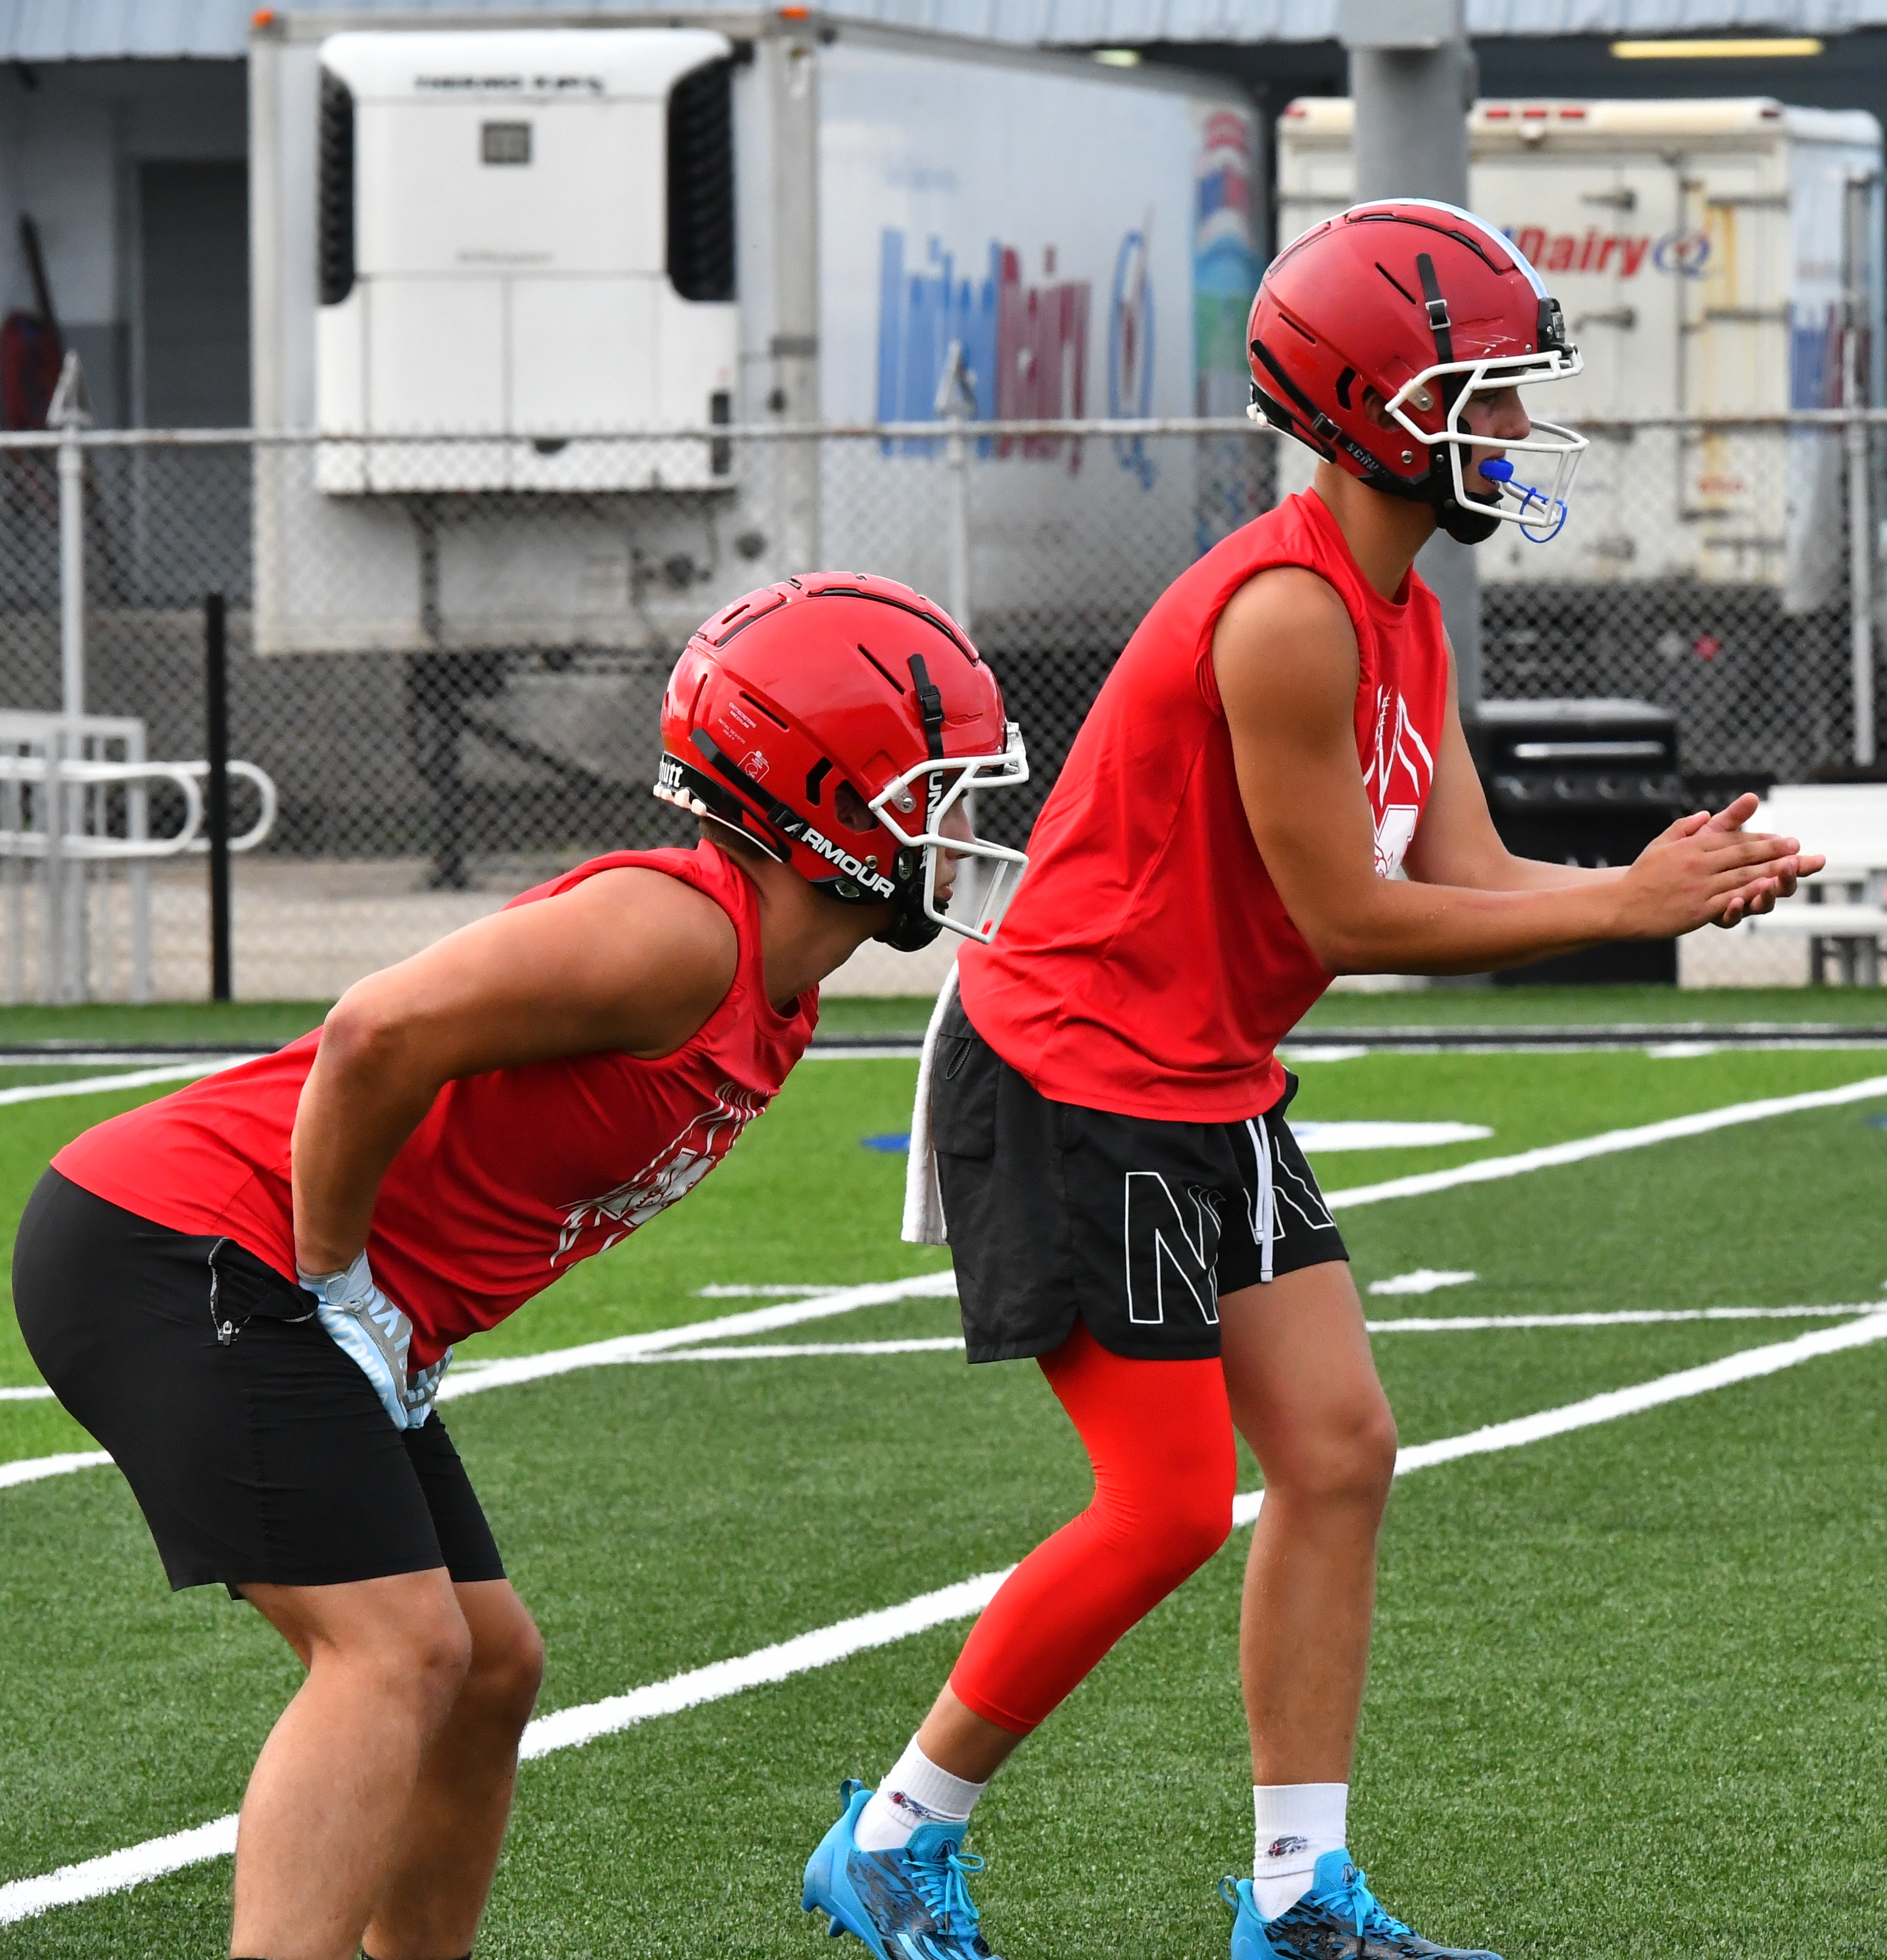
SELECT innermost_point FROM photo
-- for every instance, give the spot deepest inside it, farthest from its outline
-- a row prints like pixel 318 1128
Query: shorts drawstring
pixel 1267 1196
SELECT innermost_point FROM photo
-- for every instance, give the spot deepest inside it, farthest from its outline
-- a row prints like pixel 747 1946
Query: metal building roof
pixel 102 29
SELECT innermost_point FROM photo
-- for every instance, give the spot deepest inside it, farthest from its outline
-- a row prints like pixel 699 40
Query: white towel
pixel 923 1201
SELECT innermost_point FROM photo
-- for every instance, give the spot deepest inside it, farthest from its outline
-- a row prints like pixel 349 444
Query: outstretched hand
pixel 1707 869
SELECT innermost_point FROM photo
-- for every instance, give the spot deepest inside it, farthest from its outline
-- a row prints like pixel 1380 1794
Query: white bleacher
pixel 1842 910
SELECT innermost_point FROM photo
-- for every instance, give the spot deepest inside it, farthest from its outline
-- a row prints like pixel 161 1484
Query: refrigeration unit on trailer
pixel 1704 252
pixel 488 248
pixel 498 255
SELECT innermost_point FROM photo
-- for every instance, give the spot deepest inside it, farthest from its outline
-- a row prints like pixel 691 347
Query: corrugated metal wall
pixel 98 29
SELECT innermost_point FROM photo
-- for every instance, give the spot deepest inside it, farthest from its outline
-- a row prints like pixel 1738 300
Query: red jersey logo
pixel 673 1173
pixel 1398 777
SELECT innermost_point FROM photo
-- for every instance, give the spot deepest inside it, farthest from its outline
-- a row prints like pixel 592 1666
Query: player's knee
pixel 1345 1455
pixel 1197 1527
pixel 506 1671
pixel 1169 1531
pixel 429 1653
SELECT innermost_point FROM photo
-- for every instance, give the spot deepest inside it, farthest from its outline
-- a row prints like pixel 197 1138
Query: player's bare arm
pixel 631 959
pixel 1456 843
pixel 1284 655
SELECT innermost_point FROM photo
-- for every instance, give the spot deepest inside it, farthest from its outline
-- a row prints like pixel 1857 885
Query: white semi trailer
pixel 535 237
pixel 1704 252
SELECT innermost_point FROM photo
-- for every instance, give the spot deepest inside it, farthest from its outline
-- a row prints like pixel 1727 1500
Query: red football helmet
pixel 1428 305
pixel 810 716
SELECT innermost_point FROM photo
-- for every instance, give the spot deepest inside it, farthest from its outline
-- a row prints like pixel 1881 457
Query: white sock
pixel 915 1792
pixel 1297 1822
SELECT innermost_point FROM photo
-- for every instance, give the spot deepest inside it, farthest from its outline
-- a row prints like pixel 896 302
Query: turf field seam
pixel 1607 1143
pixel 570 1728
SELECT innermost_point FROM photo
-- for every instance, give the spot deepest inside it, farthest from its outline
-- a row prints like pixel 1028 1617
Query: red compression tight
pixel 1159 1434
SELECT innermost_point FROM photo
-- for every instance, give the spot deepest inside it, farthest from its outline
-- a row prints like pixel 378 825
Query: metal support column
pixel 955 404
pixel 1859 256
pixel 216 813
pixel 68 894
pixel 791 61
pixel 1412 82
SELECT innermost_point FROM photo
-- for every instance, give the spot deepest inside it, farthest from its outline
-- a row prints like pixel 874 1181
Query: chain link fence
pixel 446 657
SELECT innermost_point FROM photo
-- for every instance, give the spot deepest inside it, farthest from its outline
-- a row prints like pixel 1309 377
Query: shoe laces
pixel 1360 1906
pixel 943 1885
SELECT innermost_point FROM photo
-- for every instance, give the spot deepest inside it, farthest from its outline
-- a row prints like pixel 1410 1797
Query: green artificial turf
pixel 266 1022
pixel 116 1025
pixel 1619 1703
pixel 1489 1006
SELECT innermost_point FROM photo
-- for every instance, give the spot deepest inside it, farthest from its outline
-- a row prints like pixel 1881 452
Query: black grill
pixel 336 218
pixel 700 183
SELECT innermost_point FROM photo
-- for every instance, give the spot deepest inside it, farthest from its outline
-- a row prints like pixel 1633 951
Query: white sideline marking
pixel 1424 1279
pixel 30 1469
pixel 757 1320
pixel 25 1395
pixel 570 1728
pixel 1487 1170
pixel 903 1051
pixel 138 1078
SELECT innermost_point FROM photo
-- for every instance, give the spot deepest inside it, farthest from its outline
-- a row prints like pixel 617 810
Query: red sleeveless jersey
pixel 1147 966
pixel 512 1176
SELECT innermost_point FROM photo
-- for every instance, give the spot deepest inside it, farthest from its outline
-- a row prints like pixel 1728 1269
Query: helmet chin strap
pixel 1466 525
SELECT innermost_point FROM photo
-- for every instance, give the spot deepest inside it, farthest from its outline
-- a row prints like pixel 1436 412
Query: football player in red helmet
pixel 1271 788
pixel 249 1290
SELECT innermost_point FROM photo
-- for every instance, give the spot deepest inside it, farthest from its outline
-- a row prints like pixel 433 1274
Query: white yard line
pixel 31 1469
pixel 137 1078
pixel 757 1320
pixel 1489 1170
pixel 1480 1323
pixel 570 1728
pixel 784 1351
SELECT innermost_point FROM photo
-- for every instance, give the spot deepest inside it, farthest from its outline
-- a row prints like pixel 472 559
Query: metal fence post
pixel 954 397
pixel 216 813
pixel 69 920
pixel 66 415
pixel 1860 583
pixel 55 953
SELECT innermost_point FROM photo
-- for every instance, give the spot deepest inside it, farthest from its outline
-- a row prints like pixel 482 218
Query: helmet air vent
pixel 882 668
pixel 763 707
pixel 1395 282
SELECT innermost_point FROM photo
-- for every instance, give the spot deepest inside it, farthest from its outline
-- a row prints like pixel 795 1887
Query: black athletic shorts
pixel 266 1459
pixel 1136 1225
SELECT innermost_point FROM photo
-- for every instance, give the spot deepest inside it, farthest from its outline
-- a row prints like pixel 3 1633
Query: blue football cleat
pixel 1337 1919
pixel 913 1904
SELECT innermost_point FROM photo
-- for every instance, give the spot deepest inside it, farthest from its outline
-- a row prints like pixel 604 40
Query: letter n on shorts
pixel 1172 1246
